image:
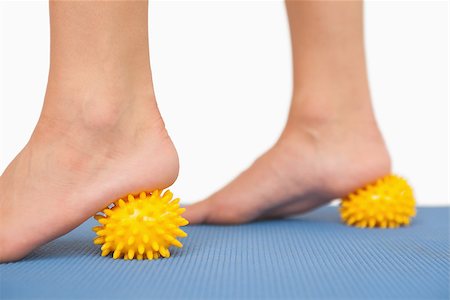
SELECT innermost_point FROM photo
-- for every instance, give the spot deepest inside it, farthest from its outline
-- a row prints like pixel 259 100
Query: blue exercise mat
pixel 312 256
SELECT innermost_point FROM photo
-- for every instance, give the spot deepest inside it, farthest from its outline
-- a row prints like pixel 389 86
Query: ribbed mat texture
pixel 312 256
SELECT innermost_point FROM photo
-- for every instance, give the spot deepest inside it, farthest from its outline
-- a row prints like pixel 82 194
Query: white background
pixel 222 74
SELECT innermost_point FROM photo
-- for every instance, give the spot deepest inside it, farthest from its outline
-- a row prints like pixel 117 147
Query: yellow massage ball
pixel 140 227
pixel 387 203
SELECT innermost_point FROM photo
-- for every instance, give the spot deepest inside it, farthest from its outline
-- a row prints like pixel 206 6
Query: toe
pixel 197 213
pixel 217 210
pixel 246 198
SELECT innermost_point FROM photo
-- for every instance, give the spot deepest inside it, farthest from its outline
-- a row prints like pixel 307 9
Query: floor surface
pixel 313 256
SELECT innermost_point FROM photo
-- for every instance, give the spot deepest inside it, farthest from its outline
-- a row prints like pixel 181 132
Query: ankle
pixel 346 144
pixel 322 128
pixel 346 105
pixel 103 106
pixel 116 129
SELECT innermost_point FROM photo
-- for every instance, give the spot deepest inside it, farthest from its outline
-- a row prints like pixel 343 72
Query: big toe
pixel 197 213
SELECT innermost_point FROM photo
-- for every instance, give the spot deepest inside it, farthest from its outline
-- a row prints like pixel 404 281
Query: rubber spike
pixel 143 226
pixel 387 203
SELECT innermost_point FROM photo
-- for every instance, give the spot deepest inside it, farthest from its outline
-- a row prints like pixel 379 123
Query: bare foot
pixel 81 157
pixel 331 144
pixel 315 161
pixel 100 135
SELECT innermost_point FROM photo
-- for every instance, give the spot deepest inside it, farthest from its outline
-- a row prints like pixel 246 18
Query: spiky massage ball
pixel 141 227
pixel 388 203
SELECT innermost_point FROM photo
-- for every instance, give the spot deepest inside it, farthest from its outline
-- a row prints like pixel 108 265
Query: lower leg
pixel 99 61
pixel 331 143
pixel 329 60
pixel 100 134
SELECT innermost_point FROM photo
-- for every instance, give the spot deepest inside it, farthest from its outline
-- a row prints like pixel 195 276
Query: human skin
pixel 100 135
pixel 331 144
